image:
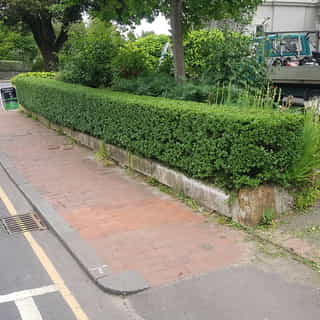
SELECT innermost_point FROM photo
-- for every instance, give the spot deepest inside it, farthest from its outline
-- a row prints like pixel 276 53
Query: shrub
pixel 16 45
pixel 164 85
pixel 130 62
pixel 307 164
pixel 156 85
pixel 153 45
pixel 190 91
pixel 43 75
pixel 232 146
pixel 142 56
pixel 223 57
pixel 87 58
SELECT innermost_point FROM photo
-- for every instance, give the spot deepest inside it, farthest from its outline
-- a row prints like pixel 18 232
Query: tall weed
pixel 305 168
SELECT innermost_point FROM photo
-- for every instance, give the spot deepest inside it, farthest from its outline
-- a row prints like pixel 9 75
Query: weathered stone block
pixel 251 204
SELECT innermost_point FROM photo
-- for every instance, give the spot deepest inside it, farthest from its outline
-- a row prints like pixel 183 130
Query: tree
pixel 46 19
pixel 16 45
pixel 183 15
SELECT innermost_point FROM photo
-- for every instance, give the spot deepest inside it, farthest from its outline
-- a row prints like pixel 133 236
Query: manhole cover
pixel 22 223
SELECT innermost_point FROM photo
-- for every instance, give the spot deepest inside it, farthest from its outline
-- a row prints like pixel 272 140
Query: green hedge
pixel 231 146
pixel 45 75
pixel 12 66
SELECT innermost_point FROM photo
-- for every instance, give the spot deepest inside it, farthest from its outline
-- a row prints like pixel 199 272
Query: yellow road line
pixel 48 265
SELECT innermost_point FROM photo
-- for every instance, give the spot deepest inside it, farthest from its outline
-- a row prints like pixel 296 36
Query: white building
pixel 286 15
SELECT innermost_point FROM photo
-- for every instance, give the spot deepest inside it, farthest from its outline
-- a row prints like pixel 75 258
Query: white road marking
pixel 101 269
pixel 48 265
pixel 25 294
pixel 28 309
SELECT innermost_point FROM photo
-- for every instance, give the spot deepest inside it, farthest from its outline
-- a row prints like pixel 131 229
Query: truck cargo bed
pixel 297 75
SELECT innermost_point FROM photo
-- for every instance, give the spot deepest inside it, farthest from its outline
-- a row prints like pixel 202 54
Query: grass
pixel 313 229
pixel 306 166
pixel 102 155
pixel 191 203
pixel 305 171
pixel 230 95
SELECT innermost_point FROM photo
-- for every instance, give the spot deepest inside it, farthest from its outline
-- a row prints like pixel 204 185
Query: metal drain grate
pixel 22 223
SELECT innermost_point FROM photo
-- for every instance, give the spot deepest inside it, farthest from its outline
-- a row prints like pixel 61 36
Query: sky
pixel 159 26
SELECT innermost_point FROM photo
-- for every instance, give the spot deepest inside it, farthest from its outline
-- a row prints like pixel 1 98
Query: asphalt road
pixel 240 293
pixel 21 272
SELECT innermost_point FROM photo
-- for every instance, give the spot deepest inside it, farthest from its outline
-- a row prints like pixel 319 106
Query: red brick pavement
pixel 130 224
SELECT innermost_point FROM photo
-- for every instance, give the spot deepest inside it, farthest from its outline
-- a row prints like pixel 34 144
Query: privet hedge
pixel 232 146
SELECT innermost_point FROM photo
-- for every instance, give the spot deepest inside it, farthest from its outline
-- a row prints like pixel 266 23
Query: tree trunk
pixel 50 59
pixel 48 43
pixel 177 38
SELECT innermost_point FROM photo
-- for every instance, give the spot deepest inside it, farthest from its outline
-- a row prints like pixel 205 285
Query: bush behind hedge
pixel 230 146
pixel 87 56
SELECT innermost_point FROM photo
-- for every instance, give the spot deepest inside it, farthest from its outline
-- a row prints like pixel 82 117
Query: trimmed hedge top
pixel 231 146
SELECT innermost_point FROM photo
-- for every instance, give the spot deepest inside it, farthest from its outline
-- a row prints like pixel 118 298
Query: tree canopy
pixel 183 15
pixel 16 45
pixel 41 17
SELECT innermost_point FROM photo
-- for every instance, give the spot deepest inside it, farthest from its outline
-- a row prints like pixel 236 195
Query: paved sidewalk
pixel 130 224
pixel 299 233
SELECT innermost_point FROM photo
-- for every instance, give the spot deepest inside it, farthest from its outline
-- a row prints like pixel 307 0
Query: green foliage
pixel 199 45
pixel 229 94
pixel 268 217
pixel 41 19
pixel 156 85
pixel 189 91
pixel 223 57
pixel 87 58
pixel 307 195
pixel 304 172
pixel 8 66
pixel 140 56
pixel 163 85
pixel 306 166
pixel 195 12
pixel 131 61
pixel 184 15
pixel 234 147
pixel 16 45
pixel 152 45
pixel 101 154
pixel 43 75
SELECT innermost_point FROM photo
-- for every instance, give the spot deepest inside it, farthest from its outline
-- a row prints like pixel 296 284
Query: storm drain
pixel 22 223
